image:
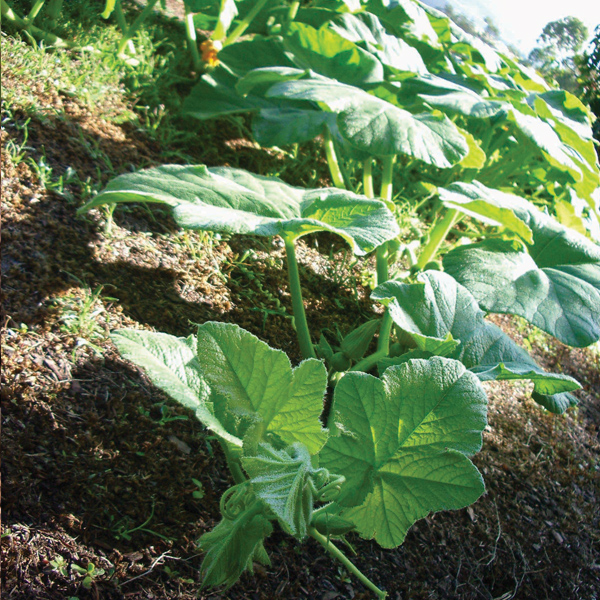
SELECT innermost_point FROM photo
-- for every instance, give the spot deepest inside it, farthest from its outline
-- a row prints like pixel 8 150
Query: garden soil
pixel 102 473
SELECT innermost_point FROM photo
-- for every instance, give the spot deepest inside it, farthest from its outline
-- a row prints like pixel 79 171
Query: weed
pixel 59 565
pixel 88 574
pixel 79 314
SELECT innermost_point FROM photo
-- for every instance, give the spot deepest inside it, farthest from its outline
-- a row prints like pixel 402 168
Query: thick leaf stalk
pixel 437 236
pixel 49 38
pixel 241 28
pixel 332 160
pixel 302 331
pixel 134 27
pixel 190 34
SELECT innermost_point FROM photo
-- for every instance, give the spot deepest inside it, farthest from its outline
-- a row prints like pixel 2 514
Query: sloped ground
pixel 99 467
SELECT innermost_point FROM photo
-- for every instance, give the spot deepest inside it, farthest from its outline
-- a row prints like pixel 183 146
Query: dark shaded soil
pixel 98 465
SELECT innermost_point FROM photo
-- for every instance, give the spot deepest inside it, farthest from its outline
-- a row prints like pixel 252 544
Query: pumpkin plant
pixel 466 136
pixel 383 461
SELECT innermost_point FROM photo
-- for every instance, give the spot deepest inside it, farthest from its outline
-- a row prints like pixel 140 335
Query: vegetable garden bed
pixel 108 484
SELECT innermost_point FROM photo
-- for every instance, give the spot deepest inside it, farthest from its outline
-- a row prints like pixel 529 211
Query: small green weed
pixel 88 574
pixel 80 315
pixel 59 565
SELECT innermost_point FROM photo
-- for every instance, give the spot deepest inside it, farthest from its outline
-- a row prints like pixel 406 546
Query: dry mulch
pixel 98 465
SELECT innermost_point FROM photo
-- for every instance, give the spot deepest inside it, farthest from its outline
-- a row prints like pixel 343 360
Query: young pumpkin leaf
pixel 403 442
pixel 280 478
pixel 248 376
pixel 232 201
pixel 554 283
pixel 356 343
pixel 377 127
pixel 172 366
pixel 438 307
pixel 234 545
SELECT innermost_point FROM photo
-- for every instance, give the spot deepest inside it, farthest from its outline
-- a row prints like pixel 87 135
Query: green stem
pixel 233 463
pixel 120 16
pixel 437 236
pixel 239 30
pixel 122 23
pixel 387 177
pixel 339 555
pixel 190 33
pixel 302 331
pixel 332 161
pixel 381 255
pixel 381 259
pixel 135 26
pixel 367 363
pixel 35 9
pixel 20 23
pixel 292 12
pixel 383 343
pixel 368 178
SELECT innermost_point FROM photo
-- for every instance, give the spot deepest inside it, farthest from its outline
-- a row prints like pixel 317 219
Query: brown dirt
pixel 98 465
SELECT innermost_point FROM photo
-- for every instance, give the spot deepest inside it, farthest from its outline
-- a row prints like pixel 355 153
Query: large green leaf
pixel 438 308
pixel 235 201
pixel 405 18
pixel 332 55
pixel 451 97
pixel 379 128
pixel 543 137
pixel 280 478
pixel 490 206
pixel 366 30
pixel 215 95
pixel 402 444
pixel 251 378
pixel 171 364
pixel 554 283
pixel 245 55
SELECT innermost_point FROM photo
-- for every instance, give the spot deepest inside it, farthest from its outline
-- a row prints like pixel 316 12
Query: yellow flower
pixel 210 49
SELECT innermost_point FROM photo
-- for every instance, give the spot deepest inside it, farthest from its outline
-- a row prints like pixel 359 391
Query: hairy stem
pixel 332 161
pixel 132 30
pixel 339 555
pixel 239 30
pixel 233 463
pixel 190 34
pixel 437 235
pixel 302 331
